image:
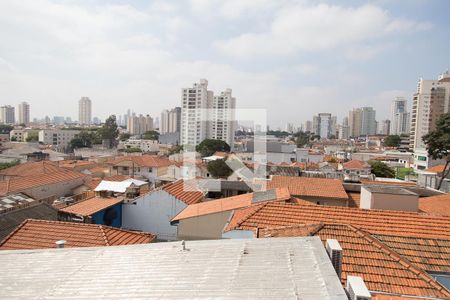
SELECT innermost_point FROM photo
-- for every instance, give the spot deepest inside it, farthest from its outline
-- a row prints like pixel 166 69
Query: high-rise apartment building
pixel 362 121
pixel 205 116
pixel 85 111
pixel 24 113
pixel 138 125
pixel 308 126
pixel 324 125
pixel 344 129
pixel 431 100
pixel 385 127
pixel 170 121
pixel 223 122
pixel 7 115
pixel 400 117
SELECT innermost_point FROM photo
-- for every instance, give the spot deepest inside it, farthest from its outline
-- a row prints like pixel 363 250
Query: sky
pixel 294 58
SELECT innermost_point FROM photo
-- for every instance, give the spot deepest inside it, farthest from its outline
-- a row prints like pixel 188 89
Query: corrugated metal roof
pixel 284 268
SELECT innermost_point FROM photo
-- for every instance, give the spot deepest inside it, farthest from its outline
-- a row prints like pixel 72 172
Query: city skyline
pixel 139 55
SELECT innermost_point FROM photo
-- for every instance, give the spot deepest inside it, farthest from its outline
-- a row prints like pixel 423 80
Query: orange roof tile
pixel 356 164
pixel 91 206
pixel 31 168
pixel 436 169
pixel 309 187
pixel 354 199
pixel 18 184
pixel 152 161
pixel 432 255
pixel 382 269
pixel 278 214
pixel 40 234
pixel 72 164
pixel 186 191
pixel 226 204
pixel 435 205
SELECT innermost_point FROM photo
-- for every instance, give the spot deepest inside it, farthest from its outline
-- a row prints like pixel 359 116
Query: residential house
pixel 399 254
pixel 148 166
pixel 206 220
pixel 154 211
pixel 41 186
pixel 320 191
pixel 94 210
pixel 13 217
pixel 41 234
pixel 355 168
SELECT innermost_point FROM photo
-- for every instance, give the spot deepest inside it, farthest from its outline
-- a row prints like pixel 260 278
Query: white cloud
pixel 312 27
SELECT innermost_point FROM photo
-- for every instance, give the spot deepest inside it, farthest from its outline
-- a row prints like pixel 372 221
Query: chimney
pixel 60 243
pixel 334 251
pixel 356 289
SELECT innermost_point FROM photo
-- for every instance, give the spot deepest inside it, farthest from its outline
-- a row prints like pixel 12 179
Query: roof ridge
pixel 252 213
pixel 401 259
pixel 102 230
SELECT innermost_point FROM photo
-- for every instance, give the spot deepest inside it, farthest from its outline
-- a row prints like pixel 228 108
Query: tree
pixel 84 139
pixel 124 136
pixel 132 150
pixel 438 144
pixel 6 165
pixel 392 141
pixel 109 131
pixel 209 146
pixel 380 169
pixel 33 136
pixel 151 135
pixel 176 149
pixel 302 138
pixel 219 168
pixel 6 129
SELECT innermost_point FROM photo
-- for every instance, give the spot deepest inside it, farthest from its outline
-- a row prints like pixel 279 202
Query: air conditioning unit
pixel 334 251
pixel 356 289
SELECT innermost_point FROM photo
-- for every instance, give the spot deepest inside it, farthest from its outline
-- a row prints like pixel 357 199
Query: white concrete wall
pixel 58 189
pixel 153 213
pixel 366 199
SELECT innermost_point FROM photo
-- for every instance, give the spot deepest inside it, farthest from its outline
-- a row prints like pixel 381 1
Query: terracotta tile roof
pixel 229 203
pixel 356 164
pixel 91 206
pixel 435 205
pixel 40 234
pixel 431 255
pixel 278 214
pixel 184 190
pixel 354 199
pixel 19 184
pixel 309 187
pixel 31 168
pixel 72 164
pixel 382 269
pixel 436 169
pixel 152 161
pixel 11 219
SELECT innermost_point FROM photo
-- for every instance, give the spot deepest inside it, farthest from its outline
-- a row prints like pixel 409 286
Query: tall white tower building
pixel 7 114
pixel 204 116
pixel 24 113
pixel 324 125
pixel 431 100
pixel 222 126
pixel 400 118
pixel 85 111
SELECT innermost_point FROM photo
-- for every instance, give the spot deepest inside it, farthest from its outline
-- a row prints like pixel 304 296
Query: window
pixel 443 279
